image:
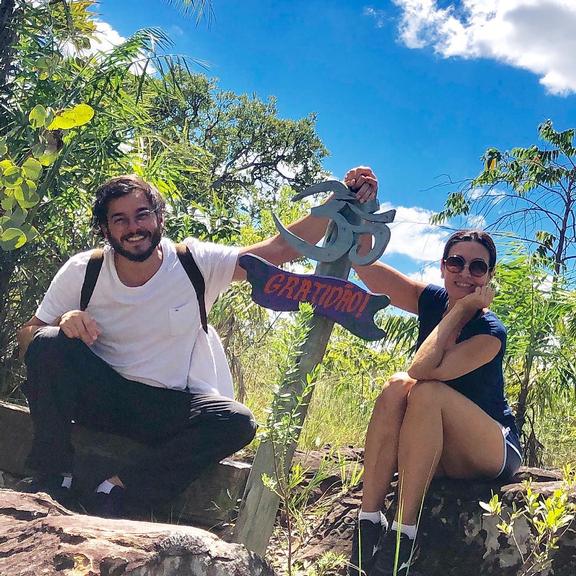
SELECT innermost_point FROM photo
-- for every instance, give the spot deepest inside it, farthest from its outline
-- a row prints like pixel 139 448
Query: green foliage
pixel 285 421
pixel 19 184
pixel 539 316
pixel 70 118
pixel 548 518
pixel 528 191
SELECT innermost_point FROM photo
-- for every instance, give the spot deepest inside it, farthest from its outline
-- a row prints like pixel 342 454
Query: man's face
pixel 133 229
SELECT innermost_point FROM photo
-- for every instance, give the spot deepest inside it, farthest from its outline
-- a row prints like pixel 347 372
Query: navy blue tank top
pixel 485 385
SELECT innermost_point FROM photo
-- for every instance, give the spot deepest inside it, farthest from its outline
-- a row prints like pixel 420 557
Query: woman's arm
pixel 439 358
pixel 404 292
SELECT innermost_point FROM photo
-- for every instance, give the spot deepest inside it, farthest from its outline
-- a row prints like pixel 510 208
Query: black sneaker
pixel 107 505
pixel 365 544
pixel 396 556
pixel 50 484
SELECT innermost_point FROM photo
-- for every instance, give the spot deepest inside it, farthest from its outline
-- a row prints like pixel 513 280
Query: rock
pixel 211 499
pixel 38 536
pixel 457 539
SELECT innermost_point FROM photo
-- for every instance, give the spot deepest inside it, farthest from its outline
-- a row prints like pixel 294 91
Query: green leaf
pixel 12 238
pixel 38 116
pixel 72 117
pixel 11 174
pixel 3 147
pixel 14 218
pixel 25 194
pixel 8 202
pixel 30 231
pixel 48 158
pixel 32 168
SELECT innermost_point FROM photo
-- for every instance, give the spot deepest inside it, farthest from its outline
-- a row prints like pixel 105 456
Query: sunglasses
pixel 456 264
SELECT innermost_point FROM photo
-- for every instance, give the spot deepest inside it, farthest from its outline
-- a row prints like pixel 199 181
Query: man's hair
pixel 473 236
pixel 121 186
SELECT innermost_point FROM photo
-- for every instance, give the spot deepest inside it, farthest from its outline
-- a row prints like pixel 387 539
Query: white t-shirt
pixel 152 333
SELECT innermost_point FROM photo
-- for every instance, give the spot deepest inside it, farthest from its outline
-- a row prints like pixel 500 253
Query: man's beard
pixel 155 238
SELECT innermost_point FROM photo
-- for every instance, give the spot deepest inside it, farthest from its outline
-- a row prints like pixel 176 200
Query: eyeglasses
pixel 141 217
pixel 456 264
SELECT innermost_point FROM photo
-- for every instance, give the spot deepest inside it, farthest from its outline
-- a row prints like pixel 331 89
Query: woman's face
pixel 461 283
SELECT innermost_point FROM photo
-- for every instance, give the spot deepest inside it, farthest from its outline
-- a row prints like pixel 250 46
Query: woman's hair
pixel 473 236
pixel 121 186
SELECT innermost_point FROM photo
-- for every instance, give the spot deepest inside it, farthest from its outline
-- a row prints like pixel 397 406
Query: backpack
pixel 186 259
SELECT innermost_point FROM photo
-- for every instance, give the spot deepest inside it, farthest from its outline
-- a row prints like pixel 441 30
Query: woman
pixel 447 415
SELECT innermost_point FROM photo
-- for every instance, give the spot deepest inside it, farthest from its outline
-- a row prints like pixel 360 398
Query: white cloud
pixel 535 35
pixel 476 221
pixel 104 40
pixel 429 274
pixel 378 15
pixel 413 235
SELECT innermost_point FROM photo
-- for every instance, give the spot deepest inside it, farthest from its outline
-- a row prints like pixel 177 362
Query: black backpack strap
pixel 191 268
pixel 91 276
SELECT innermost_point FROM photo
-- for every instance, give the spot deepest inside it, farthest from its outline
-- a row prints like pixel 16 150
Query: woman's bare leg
pixel 441 426
pixel 381 449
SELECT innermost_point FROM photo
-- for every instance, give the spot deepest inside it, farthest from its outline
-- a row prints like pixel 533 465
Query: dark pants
pixel 185 432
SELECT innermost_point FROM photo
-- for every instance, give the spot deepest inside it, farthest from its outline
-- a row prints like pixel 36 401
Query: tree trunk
pixel 7 39
pixel 7 265
pixel 523 396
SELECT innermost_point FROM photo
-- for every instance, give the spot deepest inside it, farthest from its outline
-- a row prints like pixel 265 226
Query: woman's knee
pixel 426 393
pixel 395 391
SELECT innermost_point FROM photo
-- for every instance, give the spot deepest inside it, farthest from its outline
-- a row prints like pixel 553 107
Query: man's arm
pixel 26 333
pixel 75 324
pixel 310 228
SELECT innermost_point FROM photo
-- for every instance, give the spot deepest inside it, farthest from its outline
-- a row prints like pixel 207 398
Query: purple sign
pixel 337 299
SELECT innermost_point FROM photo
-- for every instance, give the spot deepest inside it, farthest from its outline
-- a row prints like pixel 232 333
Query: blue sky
pixel 417 89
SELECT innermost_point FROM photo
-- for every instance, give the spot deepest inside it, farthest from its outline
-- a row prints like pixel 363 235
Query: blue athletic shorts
pixel 512 455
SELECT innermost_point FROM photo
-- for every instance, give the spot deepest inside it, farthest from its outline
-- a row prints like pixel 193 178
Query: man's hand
pixel 78 324
pixel 479 299
pixel 363 181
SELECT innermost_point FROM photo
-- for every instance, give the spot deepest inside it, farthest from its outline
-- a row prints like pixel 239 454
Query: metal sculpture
pixel 349 221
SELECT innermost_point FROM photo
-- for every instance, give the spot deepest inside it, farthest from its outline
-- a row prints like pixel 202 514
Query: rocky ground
pixel 457 538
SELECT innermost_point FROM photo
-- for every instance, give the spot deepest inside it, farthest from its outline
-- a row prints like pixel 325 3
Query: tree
pixel 248 153
pixel 539 317
pixel 142 122
pixel 530 192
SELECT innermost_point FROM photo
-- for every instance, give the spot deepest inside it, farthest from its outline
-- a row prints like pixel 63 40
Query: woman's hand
pixel 481 298
pixel 363 181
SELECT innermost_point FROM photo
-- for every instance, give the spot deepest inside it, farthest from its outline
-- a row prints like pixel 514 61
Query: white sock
pixel 408 529
pixel 374 517
pixel 66 481
pixel 105 487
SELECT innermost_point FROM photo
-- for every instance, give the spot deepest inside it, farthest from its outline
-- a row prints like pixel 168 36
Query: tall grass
pixel 352 378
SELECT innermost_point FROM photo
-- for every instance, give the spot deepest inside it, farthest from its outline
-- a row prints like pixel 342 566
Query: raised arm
pixel 403 291
pixel 440 358
pixel 310 228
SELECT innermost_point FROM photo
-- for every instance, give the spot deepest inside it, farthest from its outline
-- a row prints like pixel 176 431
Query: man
pixel 137 361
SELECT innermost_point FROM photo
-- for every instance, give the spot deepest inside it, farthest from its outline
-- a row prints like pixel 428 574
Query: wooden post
pixel 259 505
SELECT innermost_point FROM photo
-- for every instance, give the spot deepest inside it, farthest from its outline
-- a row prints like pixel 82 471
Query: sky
pixel 416 89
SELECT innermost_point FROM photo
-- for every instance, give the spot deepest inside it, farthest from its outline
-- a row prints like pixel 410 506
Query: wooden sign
pixel 335 298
